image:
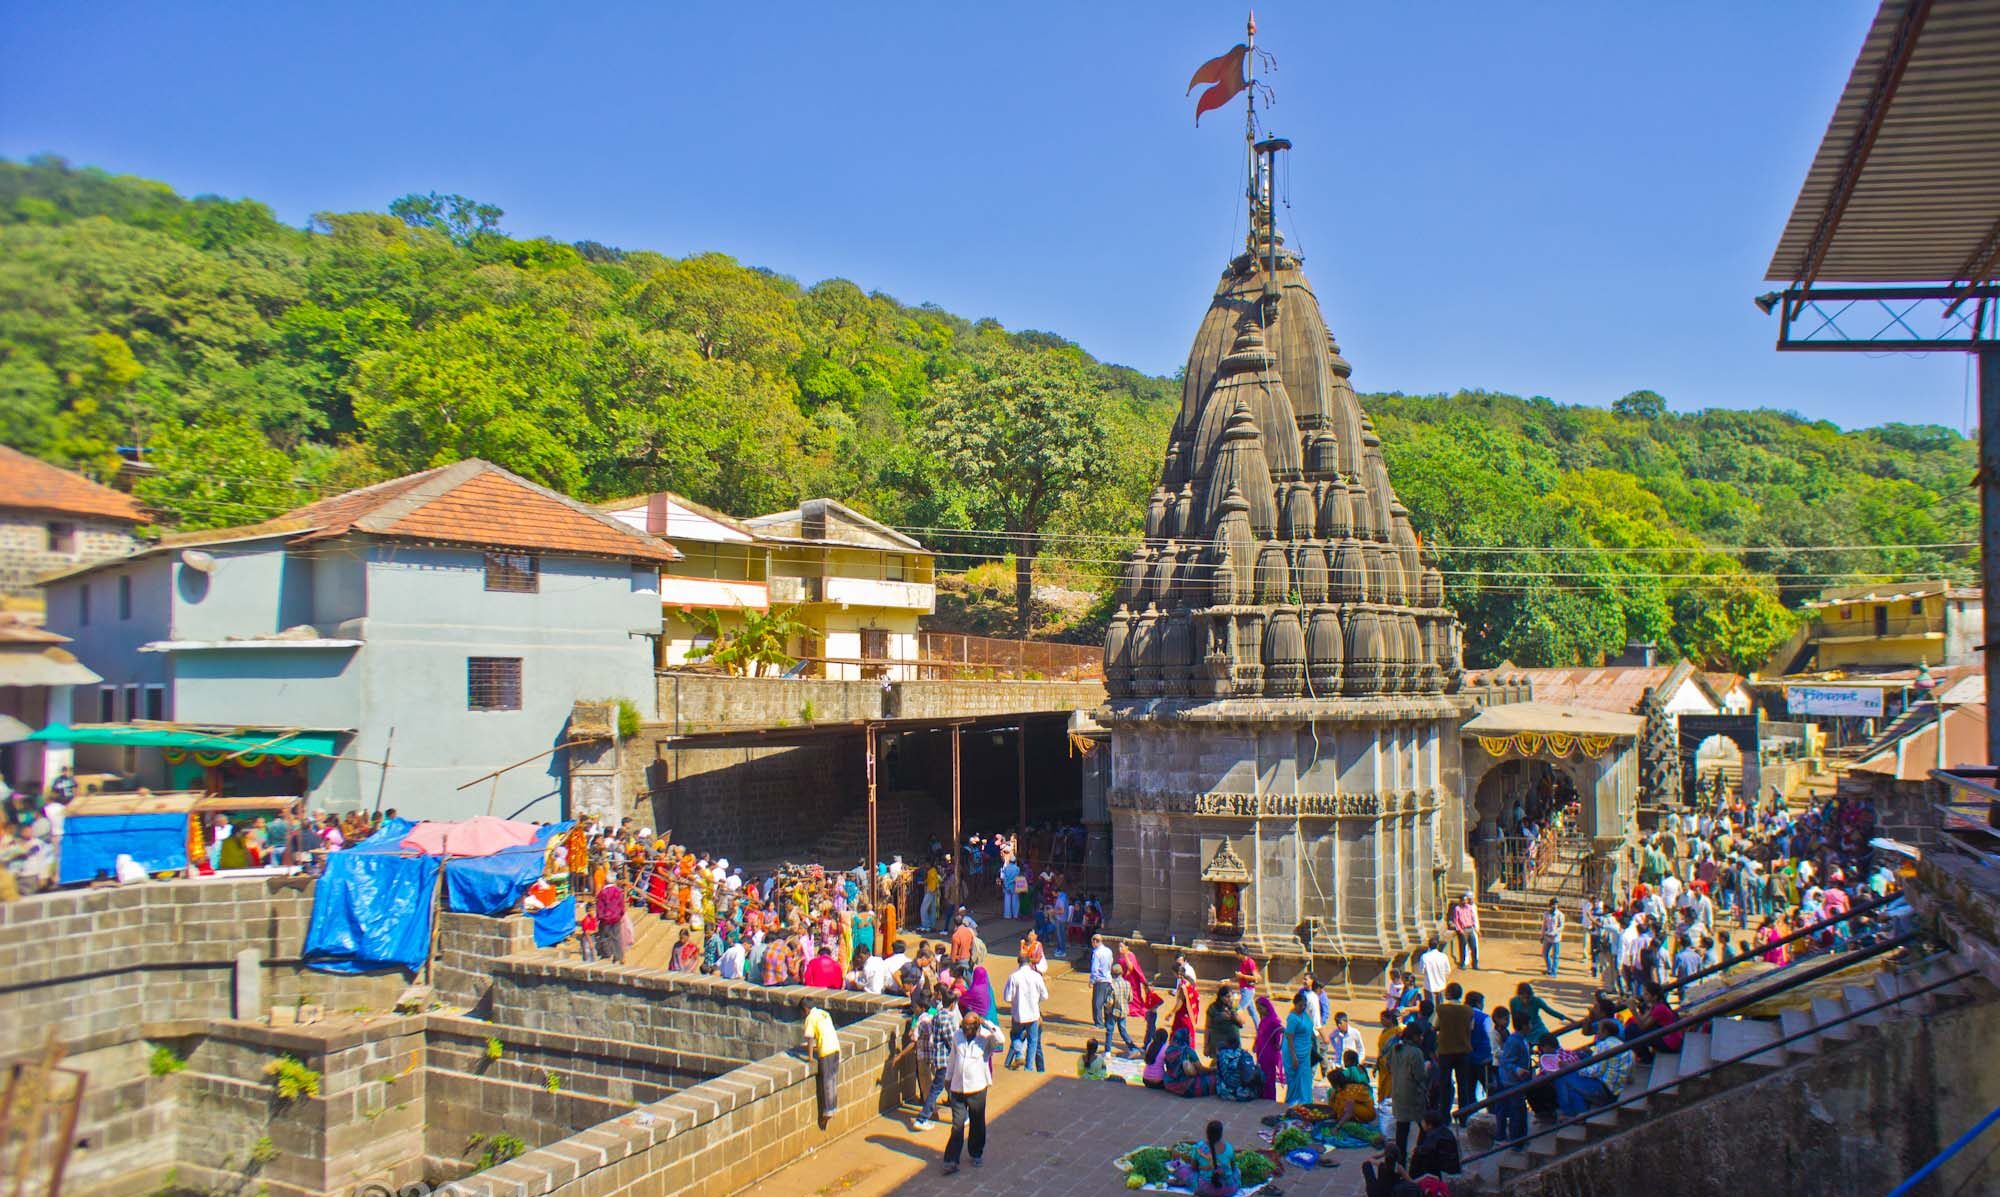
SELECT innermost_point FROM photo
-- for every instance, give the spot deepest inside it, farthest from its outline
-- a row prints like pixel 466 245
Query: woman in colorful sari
pixel 1182 1070
pixel 1768 935
pixel 1187 1005
pixel 978 996
pixel 1298 1035
pixel 1271 1053
pixel 864 929
pixel 656 882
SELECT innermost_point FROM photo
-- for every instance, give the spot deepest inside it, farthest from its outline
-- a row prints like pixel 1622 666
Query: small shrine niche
pixel 1226 876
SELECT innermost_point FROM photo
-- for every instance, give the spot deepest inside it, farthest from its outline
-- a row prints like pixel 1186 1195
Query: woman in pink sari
pixel 1270 1046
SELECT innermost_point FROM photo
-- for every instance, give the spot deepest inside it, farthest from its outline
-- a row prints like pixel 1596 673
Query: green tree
pixel 755 647
pixel 219 473
pixel 1016 434
pixel 1641 405
pixel 463 220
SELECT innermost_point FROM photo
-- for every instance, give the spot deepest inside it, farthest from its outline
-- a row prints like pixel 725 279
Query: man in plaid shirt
pixel 934 1029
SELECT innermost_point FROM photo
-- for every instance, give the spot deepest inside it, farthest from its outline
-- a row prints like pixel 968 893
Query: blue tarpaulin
pixel 91 844
pixel 372 908
pixel 495 884
pixel 555 924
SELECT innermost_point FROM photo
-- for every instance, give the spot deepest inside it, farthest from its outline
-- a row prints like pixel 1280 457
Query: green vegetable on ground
pixel 1150 1163
pixel 1291 1138
pixel 1254 1167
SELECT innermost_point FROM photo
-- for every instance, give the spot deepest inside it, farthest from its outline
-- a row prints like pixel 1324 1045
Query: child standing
pixel 588 928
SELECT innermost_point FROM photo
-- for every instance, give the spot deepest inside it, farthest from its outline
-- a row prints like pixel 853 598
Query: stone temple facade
pixel 1281 669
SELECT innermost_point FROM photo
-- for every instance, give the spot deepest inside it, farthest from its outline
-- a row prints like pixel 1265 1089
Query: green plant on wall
pixel 551 1082
pixel 262 1152
pixel 164 1061
pixel 499 1149
pixel 494 1048
pixel 808 712
pixel 292 1078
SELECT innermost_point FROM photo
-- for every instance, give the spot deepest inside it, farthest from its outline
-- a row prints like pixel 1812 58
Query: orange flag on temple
pixel 1225 73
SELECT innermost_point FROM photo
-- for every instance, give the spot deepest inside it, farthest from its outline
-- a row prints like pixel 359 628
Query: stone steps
pixel 1745 1047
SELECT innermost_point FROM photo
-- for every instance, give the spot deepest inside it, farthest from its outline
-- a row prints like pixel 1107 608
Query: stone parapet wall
pixel 664 1010
pixel 718 1137
pixel 1852 1120
pixel 697 702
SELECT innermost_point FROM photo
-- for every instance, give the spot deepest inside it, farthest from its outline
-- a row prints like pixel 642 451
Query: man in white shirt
pixel 897 958
pixel 1670 891
pixel 1631 942
pixel 1025 993
pixel 1435 967
pixel 968 1077
pixel 1347 1039
pixel 1100 986
pixel 875 973
pixel 730 966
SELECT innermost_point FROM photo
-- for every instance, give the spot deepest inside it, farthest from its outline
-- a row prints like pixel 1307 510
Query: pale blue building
pixel 444 623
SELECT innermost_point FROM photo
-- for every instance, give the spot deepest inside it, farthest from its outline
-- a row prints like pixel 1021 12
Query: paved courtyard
pixel 1051 1133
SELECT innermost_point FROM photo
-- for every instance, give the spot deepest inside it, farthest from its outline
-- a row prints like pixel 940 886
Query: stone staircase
pixel 844 843
pixel 1749 1049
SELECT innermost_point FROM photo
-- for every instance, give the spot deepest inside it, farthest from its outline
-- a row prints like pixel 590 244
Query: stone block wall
pixel 664 1010
pixel 1852 1120
pixel 24 546
pixel 467 944
pixel 698 702
pixel 715 1138
pixel 934 699
pixel 751 803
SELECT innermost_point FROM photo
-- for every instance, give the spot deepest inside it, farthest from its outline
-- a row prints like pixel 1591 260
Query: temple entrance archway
pixel 1549 784
pixel 1702 756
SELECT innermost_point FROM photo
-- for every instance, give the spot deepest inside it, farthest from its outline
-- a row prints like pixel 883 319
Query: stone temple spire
pixel 1275 494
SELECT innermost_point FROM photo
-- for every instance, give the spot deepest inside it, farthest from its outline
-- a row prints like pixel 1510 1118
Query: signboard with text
pixel 1834 700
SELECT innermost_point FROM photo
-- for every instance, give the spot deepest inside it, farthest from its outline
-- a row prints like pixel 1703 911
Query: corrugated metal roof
pixel 1924 205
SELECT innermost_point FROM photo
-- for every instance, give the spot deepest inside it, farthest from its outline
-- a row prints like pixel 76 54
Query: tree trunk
pixel 1025 552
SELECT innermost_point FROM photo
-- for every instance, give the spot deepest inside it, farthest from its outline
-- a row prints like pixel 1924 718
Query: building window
pixel 1916 606
pixel 131 703
pixel 62 537
pixel 493 683
pixel 83 605
pixel 1881 619
pixel 893 570
pixel 107 704
pixel 125 596
pixel 156 703
pixel 513 573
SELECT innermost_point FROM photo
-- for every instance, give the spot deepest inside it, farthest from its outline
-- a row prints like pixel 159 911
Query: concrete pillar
pixel 249 984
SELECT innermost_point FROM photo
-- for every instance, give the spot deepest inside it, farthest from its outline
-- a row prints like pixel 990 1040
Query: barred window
pixel 514 573
pixel 493 683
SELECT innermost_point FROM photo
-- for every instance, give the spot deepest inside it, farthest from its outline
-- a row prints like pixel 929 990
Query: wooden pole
pixel 1989 528
pixel 67 1138
pixel 384 782
pixel 874 847
pixel 1021 783
pixel 957 829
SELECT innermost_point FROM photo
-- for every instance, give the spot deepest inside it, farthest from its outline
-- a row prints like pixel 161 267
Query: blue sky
pixel 1567 200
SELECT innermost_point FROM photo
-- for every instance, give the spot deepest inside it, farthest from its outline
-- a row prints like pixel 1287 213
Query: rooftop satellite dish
pixel 195 559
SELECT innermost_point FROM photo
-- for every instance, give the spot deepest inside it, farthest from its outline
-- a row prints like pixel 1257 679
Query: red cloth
pixel 610 905
pixel 1225 72
pixel 823 972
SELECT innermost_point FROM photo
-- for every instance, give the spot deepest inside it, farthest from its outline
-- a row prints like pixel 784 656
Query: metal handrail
pixel 1957 1145
pixel 1718 1065
pixel 1803 932
pixel 1729 962
pixel 1686 1020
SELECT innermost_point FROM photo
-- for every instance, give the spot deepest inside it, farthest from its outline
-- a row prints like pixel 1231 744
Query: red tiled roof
pixel 1617 688
pixel 30 484
pixel 477 503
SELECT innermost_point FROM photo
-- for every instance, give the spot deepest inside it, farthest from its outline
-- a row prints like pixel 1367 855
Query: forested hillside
pixel 258 365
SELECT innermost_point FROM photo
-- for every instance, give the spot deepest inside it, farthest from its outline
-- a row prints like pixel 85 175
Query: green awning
pixel 126 735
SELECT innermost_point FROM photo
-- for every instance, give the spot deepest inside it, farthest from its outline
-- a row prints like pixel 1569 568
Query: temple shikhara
pixel 1281 669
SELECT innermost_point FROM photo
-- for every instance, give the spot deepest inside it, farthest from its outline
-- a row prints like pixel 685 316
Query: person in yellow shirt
pixel 1391 1028
pixel 932 883
pixel 823 1046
